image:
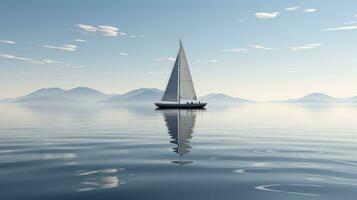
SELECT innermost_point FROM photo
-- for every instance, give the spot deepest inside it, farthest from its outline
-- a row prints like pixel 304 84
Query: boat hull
pixel 180 106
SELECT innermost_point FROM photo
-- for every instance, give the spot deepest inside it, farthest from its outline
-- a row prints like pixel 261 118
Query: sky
pixel 256 49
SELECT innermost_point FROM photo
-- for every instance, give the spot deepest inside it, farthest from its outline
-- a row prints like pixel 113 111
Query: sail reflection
pixel 180 125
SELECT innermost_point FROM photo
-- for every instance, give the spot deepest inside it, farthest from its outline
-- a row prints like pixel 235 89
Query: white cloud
pixel 41 61
pixel 136 36
pixel 207 61
pixel 342 28
pixel 48 61
pixel 7 42
pixel 306 47
pixel 109 31
pixel 256 46
pixel 29 60
pixel 155 73
pixel 165 59
pixel 79 40
pixel 73 66
pixel 237 50
pixel 265 15
pixel 65 47
pixel 241 20
pixel 77 66
pixel 212 61
pixel 350 22
pixel 105 30
pixel 87 28
pixel 295 71
pixel 292 8
pixel 310 10
pixel 7 56
pixel 123 54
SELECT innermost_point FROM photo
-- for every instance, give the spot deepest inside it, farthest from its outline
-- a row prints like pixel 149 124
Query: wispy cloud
pixel 65 47
pixel 257 46
pixel 123 54
pixel 105 30
pixel 156 73
pixel 48 61
pixel 136 36
pixel 306 47
pixel 293 8
pixel 41 61
pixel 265 15
pixel 342 28
pixel 310 10
pixel 79 40
pixel 87 28
pixel 13 57
pixel 77 66
pixel 295 71
pixel 7 42
pixel 212 61
pixel 236 50
pixel 29 60
pixel 165 59
pixel 350 22
pixel 109 31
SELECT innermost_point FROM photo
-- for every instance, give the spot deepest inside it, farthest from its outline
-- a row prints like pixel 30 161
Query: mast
pixel 179 73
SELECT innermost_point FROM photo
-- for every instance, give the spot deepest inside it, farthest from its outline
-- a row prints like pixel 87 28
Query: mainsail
pixel 180 85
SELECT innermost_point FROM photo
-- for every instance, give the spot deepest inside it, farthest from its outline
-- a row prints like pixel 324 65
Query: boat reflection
pixel 180 125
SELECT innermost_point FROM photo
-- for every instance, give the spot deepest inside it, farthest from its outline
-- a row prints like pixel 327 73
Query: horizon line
pixel 251 99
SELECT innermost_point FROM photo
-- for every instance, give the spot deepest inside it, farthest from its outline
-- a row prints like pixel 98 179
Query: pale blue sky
pixel 257 49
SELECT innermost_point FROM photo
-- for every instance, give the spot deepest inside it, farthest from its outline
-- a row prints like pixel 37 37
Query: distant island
pixel 81 95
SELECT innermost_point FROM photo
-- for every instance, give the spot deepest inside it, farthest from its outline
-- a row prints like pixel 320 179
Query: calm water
pixel 257 151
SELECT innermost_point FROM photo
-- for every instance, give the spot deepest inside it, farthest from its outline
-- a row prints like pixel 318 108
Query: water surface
pixel 259 151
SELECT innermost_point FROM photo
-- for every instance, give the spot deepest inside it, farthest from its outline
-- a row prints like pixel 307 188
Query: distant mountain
pixel 60 96
pixel 45 92
pixel 149 95
pixel 352 100
pixel 224 99
pixel 36 95
pixel 83 94
pixel 320 98
pixel 314 98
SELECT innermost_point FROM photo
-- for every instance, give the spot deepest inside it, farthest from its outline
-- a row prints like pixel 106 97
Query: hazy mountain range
pixel 82 95
pixel 319 98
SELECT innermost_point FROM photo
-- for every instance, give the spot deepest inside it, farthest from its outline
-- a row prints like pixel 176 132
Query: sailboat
pixel 180 92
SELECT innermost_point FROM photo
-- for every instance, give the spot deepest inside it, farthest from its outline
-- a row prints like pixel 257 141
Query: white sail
pixel 180 85
pixel 187 91
pixel 171 92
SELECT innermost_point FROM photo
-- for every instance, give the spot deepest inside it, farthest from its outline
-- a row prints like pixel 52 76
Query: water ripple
pixel 273 188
